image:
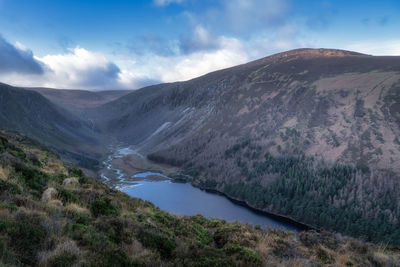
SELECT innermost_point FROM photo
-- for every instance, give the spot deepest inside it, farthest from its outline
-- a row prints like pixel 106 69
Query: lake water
pixel 185 199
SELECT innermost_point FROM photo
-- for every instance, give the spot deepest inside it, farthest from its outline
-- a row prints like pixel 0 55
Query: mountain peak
pixel 307 53
pixel 317 52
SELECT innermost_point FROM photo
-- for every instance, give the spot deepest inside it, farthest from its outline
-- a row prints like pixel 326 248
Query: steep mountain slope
pixel 53 215
pixel 33 115
pixel 310 134
pixel 328 96
pixel 77 101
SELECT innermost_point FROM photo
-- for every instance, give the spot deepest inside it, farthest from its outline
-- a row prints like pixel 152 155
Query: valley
pixel 308 134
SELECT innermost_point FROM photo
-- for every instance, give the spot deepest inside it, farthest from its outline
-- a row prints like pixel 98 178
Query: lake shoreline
pixel 166 171
pixel 281 218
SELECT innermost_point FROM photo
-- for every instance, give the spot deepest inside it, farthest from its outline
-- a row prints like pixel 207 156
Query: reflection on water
pixel 184 199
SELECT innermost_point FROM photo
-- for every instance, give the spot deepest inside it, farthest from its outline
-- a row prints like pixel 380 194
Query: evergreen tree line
pixel 337 198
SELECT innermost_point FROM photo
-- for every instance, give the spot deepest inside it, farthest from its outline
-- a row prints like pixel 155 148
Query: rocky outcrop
pixel 49 194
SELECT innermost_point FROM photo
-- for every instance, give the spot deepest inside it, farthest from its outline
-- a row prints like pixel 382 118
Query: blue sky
pixel 113 44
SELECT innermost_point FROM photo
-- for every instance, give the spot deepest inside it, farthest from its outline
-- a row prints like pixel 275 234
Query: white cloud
pixel 200 40
pixel 130 80
pixel 80 67
pixel 243 15
pixel 166 2
pixel 20 46
pixel 230 52
pixel 376 48
pixel 202 36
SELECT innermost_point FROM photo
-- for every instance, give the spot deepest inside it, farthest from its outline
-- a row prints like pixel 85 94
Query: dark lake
pixel 185 199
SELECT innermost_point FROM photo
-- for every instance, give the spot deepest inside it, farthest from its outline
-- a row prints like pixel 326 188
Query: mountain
pixel 311 134
pixel 31 114
pixel 53 215
pixel 325 95
pixel 77 101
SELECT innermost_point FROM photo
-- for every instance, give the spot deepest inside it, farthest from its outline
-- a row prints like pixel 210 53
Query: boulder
pixel 49 194
pixel 70 182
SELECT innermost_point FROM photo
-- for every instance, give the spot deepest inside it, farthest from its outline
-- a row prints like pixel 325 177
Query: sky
pixel 123 44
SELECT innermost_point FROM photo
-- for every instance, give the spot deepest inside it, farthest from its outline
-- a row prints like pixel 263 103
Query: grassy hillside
pixel 53 215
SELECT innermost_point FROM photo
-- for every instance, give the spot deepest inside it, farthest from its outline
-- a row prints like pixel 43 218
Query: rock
pixel 70 182
pixel 49 194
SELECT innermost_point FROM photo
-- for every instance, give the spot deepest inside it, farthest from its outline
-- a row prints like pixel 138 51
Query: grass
pixel 93 225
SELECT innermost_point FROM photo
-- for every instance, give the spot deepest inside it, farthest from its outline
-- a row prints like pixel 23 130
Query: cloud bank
pixel 14 59
pixel 81 67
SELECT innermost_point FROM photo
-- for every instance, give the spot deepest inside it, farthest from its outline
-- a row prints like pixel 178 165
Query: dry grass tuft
pixel 135 250
pixel 4 173
pixel 65 251
pixel 76 208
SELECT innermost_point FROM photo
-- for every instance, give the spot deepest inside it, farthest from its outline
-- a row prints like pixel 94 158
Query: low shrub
pixel 65 259
pixel 3 143
pixel 88 236
pixel 34 160
pixel 18 153
pixel 10 206
pixel 202 235
pixel 8 187
pixel 221 236
pixel 324 256
pixel 59 178
pixel 115 257
pixel 208 257
pixel 67 196
pixel 25 238
pixel 103 206
pixel 162 244
pixel 164 217
pixel 32 178
pixel 249 256
pixel 7 257
pixel 76 172
pixel 78 217
pixel 245 254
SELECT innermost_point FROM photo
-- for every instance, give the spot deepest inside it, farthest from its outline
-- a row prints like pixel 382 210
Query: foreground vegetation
pixel 53 215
